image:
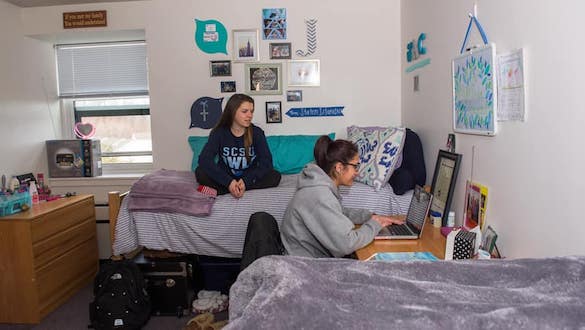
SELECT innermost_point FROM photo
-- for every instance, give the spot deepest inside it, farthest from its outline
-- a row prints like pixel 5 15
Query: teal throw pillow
pixel 290 153
pixel 197 143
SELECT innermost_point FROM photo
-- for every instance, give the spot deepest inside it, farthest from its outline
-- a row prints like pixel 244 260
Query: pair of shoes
pixel 210 301
pixel 204 321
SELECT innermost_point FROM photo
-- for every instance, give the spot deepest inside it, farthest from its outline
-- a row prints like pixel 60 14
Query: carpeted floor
pixel 74 315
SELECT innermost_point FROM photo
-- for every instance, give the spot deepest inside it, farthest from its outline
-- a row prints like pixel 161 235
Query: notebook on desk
pixel 415 218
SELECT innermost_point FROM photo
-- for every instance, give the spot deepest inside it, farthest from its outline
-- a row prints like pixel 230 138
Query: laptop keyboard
pixel 399 230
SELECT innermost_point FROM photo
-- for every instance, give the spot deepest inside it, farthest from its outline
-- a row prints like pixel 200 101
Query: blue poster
pixel 210 36
pixel 274 23
pixel 205 112
pixel 316 112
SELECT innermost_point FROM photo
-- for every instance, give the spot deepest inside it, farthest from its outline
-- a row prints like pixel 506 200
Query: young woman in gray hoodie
pixel 315 223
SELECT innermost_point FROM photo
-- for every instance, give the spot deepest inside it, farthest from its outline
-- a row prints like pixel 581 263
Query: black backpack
pixel 120 297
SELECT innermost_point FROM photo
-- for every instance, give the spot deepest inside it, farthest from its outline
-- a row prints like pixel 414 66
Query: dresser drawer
pixel 62 276
pixel 62 219
pixel 52 247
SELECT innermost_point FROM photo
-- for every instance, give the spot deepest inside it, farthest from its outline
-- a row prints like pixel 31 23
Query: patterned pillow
pixel 379 149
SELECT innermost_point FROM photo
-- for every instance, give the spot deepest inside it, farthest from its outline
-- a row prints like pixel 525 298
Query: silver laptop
pixel 415 218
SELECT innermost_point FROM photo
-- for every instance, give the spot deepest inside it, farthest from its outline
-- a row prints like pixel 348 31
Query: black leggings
pixel 271 179
pixel 262 239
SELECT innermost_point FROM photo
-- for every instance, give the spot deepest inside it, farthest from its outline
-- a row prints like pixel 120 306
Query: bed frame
pixel 114 203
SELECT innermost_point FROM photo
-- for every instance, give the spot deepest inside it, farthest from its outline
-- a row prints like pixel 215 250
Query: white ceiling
pixel 42 3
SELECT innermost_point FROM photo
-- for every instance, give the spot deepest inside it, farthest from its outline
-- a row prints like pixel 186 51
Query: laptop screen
pixel 419 206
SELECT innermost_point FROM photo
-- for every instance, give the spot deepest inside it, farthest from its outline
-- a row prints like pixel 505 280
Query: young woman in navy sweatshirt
pixel 236 157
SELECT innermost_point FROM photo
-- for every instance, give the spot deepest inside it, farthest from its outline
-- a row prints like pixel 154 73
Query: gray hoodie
pixel 316 225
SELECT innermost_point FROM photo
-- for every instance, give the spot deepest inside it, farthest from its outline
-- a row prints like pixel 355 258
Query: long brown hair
pixel 227 119
pixel 328 152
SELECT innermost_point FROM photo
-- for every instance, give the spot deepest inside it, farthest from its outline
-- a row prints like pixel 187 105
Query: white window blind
pixel 104 69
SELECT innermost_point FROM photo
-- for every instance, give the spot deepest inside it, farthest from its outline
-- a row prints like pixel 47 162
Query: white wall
pixel 27 117
pixel 533 169
pixel 358 47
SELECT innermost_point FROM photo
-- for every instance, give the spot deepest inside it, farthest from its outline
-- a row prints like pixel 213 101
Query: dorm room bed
pixel 284 292
pixel 222 232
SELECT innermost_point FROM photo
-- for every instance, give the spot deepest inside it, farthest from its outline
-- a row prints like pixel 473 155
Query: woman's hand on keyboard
pixel 387 220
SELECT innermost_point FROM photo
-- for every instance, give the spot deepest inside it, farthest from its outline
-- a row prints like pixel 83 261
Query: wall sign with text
pixel 83 19
pixel 316 112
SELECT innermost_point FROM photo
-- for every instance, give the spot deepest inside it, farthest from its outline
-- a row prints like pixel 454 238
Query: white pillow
pixel 379 151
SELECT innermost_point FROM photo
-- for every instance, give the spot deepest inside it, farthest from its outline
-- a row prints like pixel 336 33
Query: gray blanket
pixel 301 293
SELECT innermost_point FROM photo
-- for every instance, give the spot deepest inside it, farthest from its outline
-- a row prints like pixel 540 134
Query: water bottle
pixel 34 194
pixel 451 219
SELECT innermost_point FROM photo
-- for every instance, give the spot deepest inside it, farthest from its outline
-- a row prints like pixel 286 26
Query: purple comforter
pixel 169 191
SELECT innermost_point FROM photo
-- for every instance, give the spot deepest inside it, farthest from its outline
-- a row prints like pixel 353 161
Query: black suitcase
pixel 169 283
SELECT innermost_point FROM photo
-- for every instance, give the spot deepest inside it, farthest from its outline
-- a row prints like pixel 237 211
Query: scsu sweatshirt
pixel 231 157
pixel 315 223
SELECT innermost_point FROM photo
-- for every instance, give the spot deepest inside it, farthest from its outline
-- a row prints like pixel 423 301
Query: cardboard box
pixel 74 158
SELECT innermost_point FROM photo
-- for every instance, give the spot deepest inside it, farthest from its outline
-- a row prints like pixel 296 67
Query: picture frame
pixel 476 196
pixel 304 73
pixel 294 95
pixel 228 86
pixel 443 184
pixel 474 92
pixel 489 238
pixel 274 23
pixel 245 45
pixel 280 51
pixel 263 78
pixel 273 112
pixel 220 68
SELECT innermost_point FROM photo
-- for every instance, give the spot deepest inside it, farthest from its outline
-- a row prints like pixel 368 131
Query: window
pixel 122 126
pixel 106 84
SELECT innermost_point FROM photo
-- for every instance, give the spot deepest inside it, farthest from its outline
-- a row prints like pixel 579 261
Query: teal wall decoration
pixel 211 36
pixel 316 112
pixel 415 49
pixel 418 65
pixel 474 93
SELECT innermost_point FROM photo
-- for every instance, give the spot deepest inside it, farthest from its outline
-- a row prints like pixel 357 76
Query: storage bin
pixel 10 204
pixel 215 273
pixel 168 282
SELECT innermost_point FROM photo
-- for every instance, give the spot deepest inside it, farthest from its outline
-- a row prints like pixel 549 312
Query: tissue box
pixel 464 245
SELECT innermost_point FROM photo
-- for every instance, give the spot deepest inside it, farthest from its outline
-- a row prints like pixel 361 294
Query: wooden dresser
pixel 47 254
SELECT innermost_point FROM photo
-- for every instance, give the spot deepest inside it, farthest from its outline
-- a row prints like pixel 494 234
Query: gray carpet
pixel 74 315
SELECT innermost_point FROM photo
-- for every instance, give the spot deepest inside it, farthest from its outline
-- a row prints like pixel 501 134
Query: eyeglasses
pixel 355 166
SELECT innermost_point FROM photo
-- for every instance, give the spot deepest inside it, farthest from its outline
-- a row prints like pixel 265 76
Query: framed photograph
pixel 245 47
pixel 220 68
pixel 474 92
pixel 263 79
pixel 294 96
pixel 444 178
pixel 280 51
pixel 304 73
pixel 273 112
pixel 489 238
pixel 475 205
pixel 228 86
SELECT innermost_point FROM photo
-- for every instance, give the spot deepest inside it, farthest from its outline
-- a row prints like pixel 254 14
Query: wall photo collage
pixel 262 77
